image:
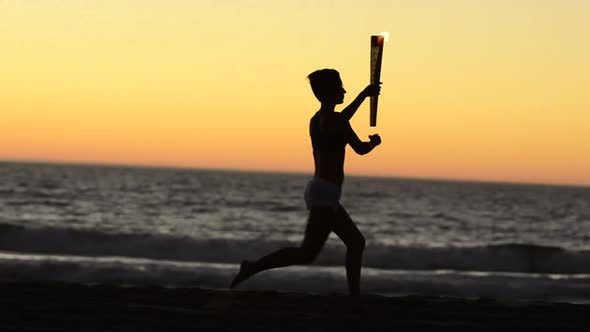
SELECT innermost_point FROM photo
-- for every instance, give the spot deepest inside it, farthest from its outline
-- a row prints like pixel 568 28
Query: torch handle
pixel 373 116
pixel 376 59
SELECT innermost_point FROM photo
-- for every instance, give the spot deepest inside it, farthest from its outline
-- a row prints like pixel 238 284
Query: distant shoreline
pixel 259 171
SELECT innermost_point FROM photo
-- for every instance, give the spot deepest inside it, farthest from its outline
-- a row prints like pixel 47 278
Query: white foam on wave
pixel 315 279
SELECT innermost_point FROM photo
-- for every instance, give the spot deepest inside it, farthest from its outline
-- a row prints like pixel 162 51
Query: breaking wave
pixel 508 257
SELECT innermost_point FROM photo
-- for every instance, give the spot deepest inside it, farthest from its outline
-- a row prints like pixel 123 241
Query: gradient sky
pixel 489 90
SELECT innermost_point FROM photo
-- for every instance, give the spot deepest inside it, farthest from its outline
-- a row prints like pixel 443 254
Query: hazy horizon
pixel 276 171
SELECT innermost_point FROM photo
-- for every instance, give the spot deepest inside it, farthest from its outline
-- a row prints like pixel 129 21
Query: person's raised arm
pixel 359 146
pixel 370 90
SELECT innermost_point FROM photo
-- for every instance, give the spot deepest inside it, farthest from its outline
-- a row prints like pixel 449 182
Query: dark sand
pixel 71 307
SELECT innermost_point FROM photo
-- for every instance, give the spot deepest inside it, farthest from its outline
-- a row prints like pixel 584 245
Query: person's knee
pixel 358 245
pixel 308 256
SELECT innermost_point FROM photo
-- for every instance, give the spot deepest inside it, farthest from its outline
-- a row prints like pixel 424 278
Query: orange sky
pixel 482 90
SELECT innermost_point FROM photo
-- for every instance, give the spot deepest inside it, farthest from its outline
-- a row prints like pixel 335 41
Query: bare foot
pixel 246 271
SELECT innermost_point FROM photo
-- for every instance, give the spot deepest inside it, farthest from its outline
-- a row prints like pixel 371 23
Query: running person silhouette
pixel 330 132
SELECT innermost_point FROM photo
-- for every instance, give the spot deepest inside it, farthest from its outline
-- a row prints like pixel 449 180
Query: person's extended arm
pixel 370 90
pixel 359 146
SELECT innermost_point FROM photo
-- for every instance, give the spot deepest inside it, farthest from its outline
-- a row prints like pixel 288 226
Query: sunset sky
pixel 491 90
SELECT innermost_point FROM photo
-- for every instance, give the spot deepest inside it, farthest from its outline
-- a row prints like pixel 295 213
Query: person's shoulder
pixel 337 116
pixel 334 118
pixel 330 119
pixel 341 118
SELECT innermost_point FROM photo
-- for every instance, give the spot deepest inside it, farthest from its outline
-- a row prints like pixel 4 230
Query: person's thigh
pixel 344 227
pixel 318 228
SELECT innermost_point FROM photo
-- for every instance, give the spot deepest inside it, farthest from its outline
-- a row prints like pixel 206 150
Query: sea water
pixel 191 228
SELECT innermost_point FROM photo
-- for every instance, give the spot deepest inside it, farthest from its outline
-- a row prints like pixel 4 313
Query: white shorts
pixel 320 192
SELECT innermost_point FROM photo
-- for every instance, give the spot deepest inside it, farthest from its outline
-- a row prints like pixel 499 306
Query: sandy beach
pixel 76 307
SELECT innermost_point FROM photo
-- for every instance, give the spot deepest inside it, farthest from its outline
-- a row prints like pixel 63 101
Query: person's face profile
pixel 339 93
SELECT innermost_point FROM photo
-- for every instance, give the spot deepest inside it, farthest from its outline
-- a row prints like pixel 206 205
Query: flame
pixel 385 36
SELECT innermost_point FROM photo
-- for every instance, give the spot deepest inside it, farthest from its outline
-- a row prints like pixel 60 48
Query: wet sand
pixel 75 307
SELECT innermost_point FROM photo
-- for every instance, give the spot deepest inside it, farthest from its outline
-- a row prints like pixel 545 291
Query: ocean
pixel 191 228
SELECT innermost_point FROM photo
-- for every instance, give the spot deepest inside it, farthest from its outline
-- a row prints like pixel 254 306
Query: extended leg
pixel 316 234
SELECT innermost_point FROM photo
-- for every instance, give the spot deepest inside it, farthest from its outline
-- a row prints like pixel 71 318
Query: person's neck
pixel 327 107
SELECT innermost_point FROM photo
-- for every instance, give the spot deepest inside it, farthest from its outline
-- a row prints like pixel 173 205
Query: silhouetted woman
pixel 330 132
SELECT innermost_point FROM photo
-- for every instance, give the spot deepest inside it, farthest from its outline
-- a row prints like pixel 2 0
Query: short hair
pixel 324 83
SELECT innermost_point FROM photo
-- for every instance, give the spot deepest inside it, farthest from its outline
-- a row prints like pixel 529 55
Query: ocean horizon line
pixel 83 163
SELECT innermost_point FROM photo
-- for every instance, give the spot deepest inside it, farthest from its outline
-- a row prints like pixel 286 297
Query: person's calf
pixel 246 271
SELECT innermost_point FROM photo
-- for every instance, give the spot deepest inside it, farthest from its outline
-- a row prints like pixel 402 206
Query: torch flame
pixel 385 36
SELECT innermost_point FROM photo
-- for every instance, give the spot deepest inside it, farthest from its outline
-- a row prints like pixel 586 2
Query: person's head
pixel 327 86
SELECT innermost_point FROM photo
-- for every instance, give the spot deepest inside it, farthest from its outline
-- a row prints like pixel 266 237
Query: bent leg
pixel 347 231
pixel 316 234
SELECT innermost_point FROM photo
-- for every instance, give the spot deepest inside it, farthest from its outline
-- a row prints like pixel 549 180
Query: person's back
pixel 328 140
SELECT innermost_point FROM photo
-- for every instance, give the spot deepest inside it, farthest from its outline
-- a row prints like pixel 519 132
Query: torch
pixel 377 42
